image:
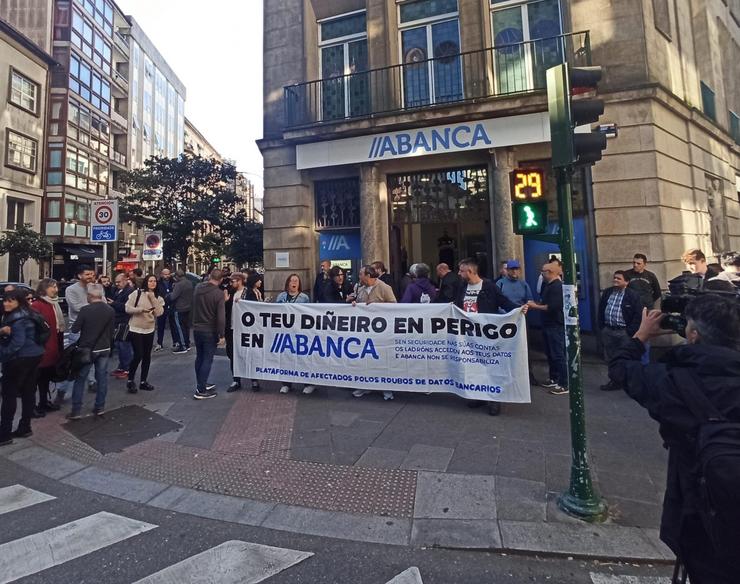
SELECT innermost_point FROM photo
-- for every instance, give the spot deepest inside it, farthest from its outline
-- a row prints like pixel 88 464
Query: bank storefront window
pixel 521 65
pixel 430 52
pixel 344 63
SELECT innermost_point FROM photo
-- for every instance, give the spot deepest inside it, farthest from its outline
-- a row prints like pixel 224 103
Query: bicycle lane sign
pixel 104 220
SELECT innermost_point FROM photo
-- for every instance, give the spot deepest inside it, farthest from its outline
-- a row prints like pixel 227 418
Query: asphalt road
pixel 52 533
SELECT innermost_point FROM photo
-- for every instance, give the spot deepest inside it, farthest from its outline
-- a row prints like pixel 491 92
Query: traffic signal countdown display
pixel 528 205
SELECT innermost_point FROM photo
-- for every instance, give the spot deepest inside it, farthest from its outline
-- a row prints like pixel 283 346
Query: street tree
pixel 186 198
pixel 25 244
pixel 245 248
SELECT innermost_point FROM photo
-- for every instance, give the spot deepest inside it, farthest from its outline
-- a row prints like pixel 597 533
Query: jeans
pixel 162 324
pixel 555 351
pixel 100 361
pixel 125 354
pixel 19 380
pixel 180 326
pixel 205 350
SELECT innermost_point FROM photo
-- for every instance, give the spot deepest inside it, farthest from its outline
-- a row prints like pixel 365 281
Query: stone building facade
pixel 24 91
pixel 391 130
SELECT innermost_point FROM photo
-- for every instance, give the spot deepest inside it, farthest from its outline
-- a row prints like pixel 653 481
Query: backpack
pixel 42 330
pixel 717 470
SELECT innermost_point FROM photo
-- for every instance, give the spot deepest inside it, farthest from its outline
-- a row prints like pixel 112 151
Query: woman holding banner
pixel 236 292
pixel 293 294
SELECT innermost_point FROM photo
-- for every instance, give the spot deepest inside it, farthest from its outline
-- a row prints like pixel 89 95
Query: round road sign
pixel 103 214
pixel 152 241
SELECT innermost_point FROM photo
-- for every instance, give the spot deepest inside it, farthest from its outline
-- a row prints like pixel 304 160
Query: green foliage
pixel 188 198
pixel 246 244
pixel 25 244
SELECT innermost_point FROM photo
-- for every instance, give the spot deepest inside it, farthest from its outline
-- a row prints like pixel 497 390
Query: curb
pixel 582 541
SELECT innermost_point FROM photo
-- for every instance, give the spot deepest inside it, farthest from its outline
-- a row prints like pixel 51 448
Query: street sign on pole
pixel 104 221
pixel 152 247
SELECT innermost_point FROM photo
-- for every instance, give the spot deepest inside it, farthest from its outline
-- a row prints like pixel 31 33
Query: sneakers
pixel 559 390
pixel 98 411
pixel 158 348
pixel 207 394
pixel 131 387
pixel 23 433
pixel 121 374
pixel 359 392
pixel 117 372
pixel 210 386
pixel 285 388
pixel 179 350
pixel 387 395
pixel 235 386
pixel 308 390
pixel 549 383
pixel 144 386
pixel 74 415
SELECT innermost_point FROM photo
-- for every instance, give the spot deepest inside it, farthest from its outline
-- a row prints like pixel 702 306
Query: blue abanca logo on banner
pixel 459 137
pixel 343 245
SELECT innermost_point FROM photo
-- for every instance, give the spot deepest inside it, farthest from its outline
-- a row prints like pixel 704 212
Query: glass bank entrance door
pixel 439 216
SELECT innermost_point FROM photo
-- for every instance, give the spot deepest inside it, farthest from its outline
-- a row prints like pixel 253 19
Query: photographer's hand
pixel 650 327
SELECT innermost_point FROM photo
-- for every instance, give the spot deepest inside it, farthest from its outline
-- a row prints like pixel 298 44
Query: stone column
pixel 373 215
pixel 506 244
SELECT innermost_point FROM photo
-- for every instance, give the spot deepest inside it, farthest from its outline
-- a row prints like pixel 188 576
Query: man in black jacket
pixel 321 279
pixel 449 284
pixel 643 281
pixel 620 311
pixel 121 292
pixel 712 357
pixel 477 294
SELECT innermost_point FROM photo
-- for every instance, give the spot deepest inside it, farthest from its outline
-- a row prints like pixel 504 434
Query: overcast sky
pixel 215 48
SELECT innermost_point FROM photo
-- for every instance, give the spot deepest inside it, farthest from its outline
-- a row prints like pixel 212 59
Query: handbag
pixel 122 329
pixel 82 356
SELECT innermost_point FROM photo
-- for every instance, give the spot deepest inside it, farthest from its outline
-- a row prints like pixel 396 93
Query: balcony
pixel 121 43
pixel 450 79
pixel 120 84
pixel 119 120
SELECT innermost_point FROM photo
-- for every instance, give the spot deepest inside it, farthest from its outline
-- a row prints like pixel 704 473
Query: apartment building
pixel 391 130
pixel 24 85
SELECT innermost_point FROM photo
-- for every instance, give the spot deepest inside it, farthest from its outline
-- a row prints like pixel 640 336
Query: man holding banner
pixel 481 296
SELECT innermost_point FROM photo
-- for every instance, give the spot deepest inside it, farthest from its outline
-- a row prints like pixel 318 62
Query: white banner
pixel 398 347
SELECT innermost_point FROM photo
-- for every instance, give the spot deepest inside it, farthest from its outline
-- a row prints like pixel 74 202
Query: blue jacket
pixel 22 341
pixel 518 291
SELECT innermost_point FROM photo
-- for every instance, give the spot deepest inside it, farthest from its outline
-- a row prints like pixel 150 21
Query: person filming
pixel 694 394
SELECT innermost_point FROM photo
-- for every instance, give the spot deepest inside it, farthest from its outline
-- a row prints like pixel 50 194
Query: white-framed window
pixel 16 214
pixel 344 62
pixel 526 41
pixel 430 52
pixel 23 92
pixel 21 152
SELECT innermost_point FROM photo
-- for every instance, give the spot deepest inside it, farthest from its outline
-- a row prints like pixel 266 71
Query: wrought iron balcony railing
pixel 455 78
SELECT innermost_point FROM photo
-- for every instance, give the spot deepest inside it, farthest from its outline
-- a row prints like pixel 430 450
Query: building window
pixel 88 128
pixel 735 127
pixel 85 173
pixel 16 214
pixel 53 209
pixel 90 41
pixel 344 62
pixel 526 43
pixel 662 17
pixel 337 203
pixel 21 152
pixel 102 12
pixel 708 105
pixel 430 52
pixel 23 92
pixel 88 84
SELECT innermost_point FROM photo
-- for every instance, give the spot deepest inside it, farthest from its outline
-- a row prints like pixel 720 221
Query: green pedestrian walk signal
pixel 530 218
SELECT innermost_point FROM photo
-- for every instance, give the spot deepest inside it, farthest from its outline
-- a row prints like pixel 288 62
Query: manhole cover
pixel 120 428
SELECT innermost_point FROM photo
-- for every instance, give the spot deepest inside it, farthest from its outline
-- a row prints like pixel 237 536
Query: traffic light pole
pixel 580 500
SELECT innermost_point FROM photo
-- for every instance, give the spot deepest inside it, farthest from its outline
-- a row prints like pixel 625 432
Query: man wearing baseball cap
pixel 512 286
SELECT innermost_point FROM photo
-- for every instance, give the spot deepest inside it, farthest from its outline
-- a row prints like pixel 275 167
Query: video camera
pixel 682 290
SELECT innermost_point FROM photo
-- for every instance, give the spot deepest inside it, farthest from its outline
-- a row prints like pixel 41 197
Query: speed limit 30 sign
pixel 104 220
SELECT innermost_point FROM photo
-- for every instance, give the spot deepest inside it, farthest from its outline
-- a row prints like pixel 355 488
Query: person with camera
pixel 620 311
pixel 20 354
pixel 729 278
pixel 693 384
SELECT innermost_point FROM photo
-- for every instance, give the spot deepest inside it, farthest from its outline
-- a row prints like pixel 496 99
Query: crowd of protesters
pixel 127 316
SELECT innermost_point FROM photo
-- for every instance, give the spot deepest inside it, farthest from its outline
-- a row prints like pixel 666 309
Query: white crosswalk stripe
pixel 233 562
pixel 52 547
pixel 410 576
pixel 611 579
pixel 19 497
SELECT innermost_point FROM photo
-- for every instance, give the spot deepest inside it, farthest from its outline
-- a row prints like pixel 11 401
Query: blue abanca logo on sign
pixel 429 141
pixel 339 246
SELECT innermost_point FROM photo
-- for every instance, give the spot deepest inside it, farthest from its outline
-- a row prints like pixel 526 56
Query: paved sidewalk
pixel 420 470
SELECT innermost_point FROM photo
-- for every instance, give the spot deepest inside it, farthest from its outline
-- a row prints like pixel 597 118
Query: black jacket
pixel 318 286
pixel 448 288
pixel 631 309
pixel 120 298
pixel 333 294
pixel 646 285
pixel 490 299
pixel 718 368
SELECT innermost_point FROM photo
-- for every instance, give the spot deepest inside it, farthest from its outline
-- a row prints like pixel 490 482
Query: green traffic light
pixel 530 221
pixel 530 218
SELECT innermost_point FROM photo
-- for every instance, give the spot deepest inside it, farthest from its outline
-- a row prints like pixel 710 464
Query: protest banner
pixel 397 347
